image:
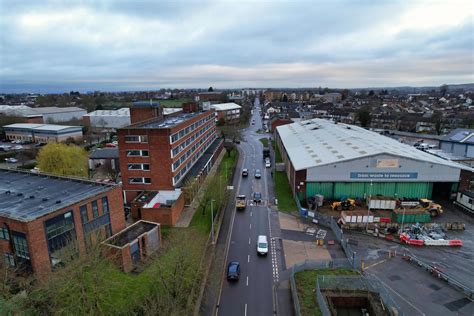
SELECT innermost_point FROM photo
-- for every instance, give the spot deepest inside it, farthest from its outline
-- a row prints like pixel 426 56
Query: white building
pixel 108 118
pixel 229 112
pixel 50 114
pixel 42 133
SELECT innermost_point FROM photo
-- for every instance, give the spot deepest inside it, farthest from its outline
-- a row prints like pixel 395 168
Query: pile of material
pixel 419 235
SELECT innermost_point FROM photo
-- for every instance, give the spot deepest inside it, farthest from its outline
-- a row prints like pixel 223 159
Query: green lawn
pixel 286 202
pixel 306 287
pixel 173 103
pixel 264 141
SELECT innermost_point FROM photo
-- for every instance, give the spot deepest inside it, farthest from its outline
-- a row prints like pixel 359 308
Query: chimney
pixel 144 110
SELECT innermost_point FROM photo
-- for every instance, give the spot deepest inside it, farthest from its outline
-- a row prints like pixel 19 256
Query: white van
pixel 262 245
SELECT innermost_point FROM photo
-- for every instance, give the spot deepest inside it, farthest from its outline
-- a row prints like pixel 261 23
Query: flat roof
pixel 119 112
pixel 318 142
pixel 55 109
pixel 105 153
pixel 164 197
pixel 131 233
pixel 41 127
pixel 167 122
pixel 225 106
pixel 26 196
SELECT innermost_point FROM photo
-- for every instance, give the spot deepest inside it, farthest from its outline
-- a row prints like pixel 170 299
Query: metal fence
pixel 469 292
pixel 331 223
pixel 353 283
pixel 312 265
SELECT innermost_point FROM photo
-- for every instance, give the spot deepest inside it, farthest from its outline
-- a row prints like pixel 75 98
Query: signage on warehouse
pixel 387 163
pixel 384 175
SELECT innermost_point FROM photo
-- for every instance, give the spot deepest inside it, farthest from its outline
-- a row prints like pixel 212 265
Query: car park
pixel 257 197
pixel 258 174
pixel 233 271
pixel 262 245
pixel 245 172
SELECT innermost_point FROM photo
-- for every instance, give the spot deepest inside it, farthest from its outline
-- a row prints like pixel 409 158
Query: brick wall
pixel 164 216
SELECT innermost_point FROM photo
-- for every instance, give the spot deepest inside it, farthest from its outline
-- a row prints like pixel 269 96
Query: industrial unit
pixel 340 160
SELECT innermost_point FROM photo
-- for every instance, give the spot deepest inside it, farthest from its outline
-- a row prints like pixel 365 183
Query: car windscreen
pixel 233 268
pixel 262 245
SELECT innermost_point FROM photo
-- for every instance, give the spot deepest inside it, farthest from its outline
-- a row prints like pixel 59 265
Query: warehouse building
pixel 42 133
pixel 51 114
pixel 341 160
pixel 108 118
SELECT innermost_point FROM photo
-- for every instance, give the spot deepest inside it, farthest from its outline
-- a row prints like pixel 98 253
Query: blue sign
pixel 384 175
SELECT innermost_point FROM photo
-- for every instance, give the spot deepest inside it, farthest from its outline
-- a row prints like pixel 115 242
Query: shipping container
pixel 410 216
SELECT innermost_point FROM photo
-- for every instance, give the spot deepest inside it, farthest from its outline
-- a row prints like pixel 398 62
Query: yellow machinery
pixel 348 204
pixel 433 208
pixel 240 202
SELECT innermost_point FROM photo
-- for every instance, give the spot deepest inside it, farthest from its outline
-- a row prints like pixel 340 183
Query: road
pixel 253 293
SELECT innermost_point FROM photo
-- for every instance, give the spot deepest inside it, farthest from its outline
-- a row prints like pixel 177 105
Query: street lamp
pixel 212 221
pixel 368 207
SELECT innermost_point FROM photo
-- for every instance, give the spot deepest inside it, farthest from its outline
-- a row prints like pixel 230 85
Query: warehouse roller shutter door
pixel 414 190
pixel 323 188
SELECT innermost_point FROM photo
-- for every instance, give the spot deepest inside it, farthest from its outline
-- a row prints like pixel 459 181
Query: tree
pixel 284 98
pixel 443 89
pixel 364 116
pixel 344 94
pixel 211 89
pixel 99 107
pixel 62 159
pixel 437 120
pixel 371 93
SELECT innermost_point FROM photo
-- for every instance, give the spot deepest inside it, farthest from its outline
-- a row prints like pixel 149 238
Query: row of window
pixel 188 166
pixel 188 129
pixel 138 153
pixel 139 180
pixel 188 141
pixel 136 138
pixel 190 151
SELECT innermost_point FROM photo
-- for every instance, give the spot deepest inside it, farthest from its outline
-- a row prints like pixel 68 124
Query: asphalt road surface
pixel 253 293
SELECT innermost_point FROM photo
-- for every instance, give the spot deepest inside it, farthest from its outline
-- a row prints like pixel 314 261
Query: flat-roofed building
pixel 42 133
pixel 45 219
pixel 229 112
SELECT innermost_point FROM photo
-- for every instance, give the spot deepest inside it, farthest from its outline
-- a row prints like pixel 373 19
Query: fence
pixel 312 265
pixel 353 283
pixel 329 222
pixel 436 272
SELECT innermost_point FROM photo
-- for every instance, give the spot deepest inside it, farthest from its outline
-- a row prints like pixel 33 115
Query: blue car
pixel 233 271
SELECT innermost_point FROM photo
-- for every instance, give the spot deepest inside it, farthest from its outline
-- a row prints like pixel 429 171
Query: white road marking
pixel 245 310
pixel 247 281
pixel 249 240
pixel 250 226
pixel 250 214
pixel 248 258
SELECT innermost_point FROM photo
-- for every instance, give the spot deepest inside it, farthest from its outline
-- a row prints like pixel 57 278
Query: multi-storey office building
pixel 45 219
pixel 156 154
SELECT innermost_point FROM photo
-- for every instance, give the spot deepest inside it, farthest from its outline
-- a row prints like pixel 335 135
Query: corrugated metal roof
pixel 334 143
pixel 225 106
pixel 42 127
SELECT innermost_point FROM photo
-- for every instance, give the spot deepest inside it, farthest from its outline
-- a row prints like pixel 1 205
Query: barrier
pixel 455 243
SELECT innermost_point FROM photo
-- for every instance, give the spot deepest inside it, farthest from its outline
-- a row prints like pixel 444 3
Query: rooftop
pixel 26 196
pixel 225 106
pixel 131 233
pixel 41 127
pixel 55 109
pixel 166 122
pixel 163 197
pixel 461 135
pixel 318 142
pixel 119 112
pixel 105 153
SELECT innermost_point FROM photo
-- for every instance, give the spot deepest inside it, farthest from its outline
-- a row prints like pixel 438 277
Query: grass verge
pixel 264 141
pixel 306 288
pixel 286 202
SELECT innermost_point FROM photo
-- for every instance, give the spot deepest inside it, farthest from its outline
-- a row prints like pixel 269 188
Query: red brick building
pixel 44 218
pixel 162 207
pixel 157 153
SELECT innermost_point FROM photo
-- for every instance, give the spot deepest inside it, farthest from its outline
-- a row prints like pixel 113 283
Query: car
pixel 237 141
pixel 110 145
pixel 245 172
pixel 12 160
pixel 257 197
pixel 233 271
pixel 268 164
pixel 262 245
pixel 258 174
pixel 17 147
pixel 40 145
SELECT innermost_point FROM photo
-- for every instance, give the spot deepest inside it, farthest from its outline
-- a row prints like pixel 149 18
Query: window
pixel 105 205
pixel 4 233
pixel 138 166
pixel 9 260
pixel 95 209
pixel 21 245
pixel 137 153
pixel 139 180
pixel 136 139
pixel 84 215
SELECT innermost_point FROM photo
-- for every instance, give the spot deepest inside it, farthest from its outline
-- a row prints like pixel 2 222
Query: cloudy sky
pixel 55 46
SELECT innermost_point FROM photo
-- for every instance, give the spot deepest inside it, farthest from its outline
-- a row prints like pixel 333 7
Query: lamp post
pixel 368 206
pixel 212 221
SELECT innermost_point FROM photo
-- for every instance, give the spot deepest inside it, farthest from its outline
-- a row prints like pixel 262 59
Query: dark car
pixel 257 197
pixel 245 172
pixel 233 271
pixel 258 174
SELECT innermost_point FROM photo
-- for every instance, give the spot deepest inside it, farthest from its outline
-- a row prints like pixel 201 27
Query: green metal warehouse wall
pixel 337 190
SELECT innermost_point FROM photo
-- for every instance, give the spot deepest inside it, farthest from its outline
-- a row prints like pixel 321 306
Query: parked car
pixel 233 271
pixel 245 172
pixel 257 197
pixel 268 164
pixel 258 174
pixel 12 160
pixel 17 147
